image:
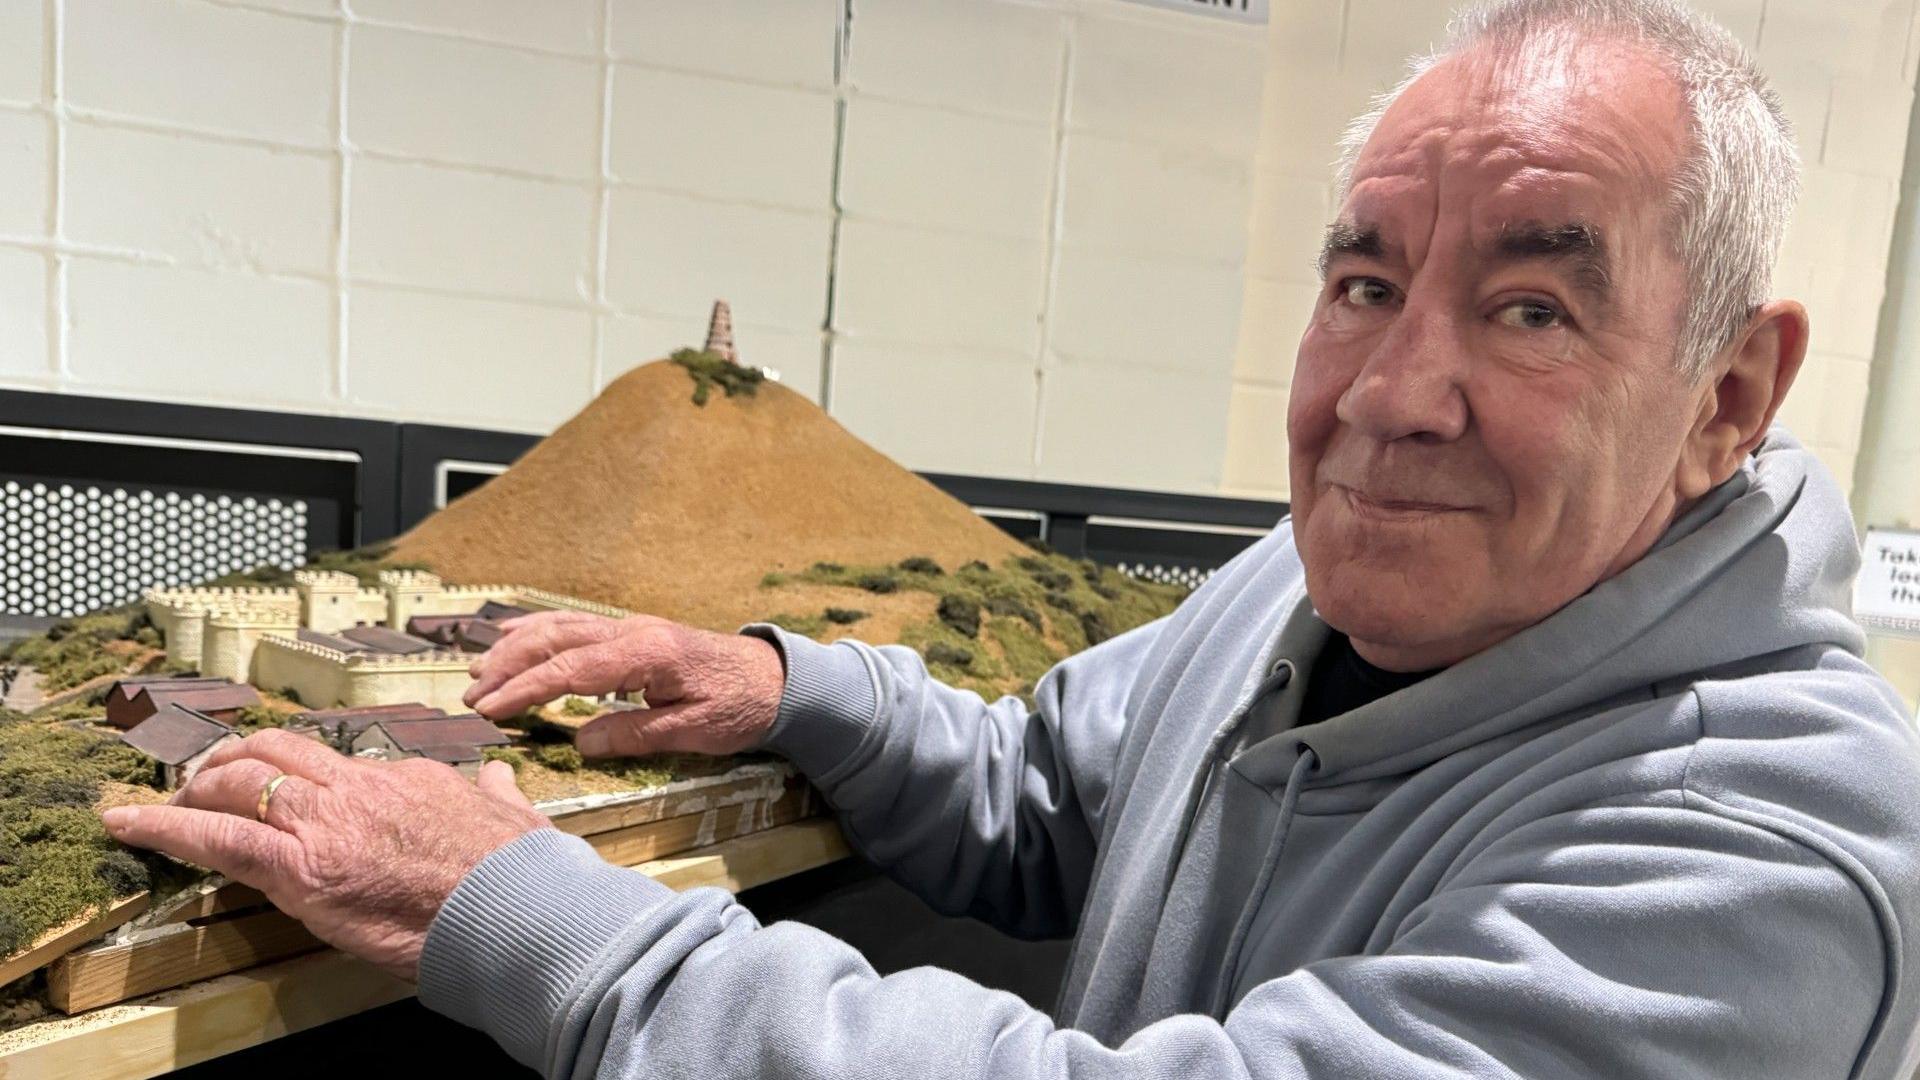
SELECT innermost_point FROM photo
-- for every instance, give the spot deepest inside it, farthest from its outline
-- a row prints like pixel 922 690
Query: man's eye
pixel 1368 292
pixel 1530 315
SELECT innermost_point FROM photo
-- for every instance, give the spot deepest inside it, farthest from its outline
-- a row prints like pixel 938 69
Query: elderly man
pixel 1537 743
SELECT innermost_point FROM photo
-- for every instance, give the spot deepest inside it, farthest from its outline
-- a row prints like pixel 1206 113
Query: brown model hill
pixel 656 504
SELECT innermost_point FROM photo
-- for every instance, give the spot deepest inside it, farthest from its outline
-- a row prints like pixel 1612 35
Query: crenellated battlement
pixel 480 592
pixel 215 595
pixel 557 602
pixel 368 660
pixel 252 618
pixel 246 633
pixel 386 661
pixel 307 648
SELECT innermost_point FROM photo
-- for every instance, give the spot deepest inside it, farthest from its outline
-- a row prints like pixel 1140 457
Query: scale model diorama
pixel 694 489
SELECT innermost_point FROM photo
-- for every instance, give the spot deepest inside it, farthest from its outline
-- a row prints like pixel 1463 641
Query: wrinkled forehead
pixel 1594 133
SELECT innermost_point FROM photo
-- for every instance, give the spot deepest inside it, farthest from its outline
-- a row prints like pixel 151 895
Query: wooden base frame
pixel 743 828
pixel 177 1028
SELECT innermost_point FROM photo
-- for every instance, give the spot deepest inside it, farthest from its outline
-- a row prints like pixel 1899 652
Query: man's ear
pixel 1751 378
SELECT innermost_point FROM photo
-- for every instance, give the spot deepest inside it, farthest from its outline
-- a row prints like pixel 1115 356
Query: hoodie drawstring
pixel 1197 787
pixel 1230 961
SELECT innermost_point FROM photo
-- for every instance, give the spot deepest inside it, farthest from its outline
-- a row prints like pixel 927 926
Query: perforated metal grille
pixel 67 550
pixel 1190 577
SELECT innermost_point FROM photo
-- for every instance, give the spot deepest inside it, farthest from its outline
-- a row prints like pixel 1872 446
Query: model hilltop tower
pixel 720 333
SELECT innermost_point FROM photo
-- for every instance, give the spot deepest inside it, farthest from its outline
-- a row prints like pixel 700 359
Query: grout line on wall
pixel 812 88
pixel 1056 196
pixel 842 56
pixel 263 9
pixel 1340 44
pixel 343 211
pixel 137 257
pixel 602 209
pixel 59 340
pixel 521 47
pixel 587 183
pixel 108 118
pixel 574 304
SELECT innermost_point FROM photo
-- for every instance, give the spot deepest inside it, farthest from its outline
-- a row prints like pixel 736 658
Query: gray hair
pixel 1736 188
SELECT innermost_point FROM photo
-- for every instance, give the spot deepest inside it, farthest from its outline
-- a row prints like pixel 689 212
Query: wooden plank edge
pixel 100 975
pixel 53 944
pixel 596 814
pixel 754 859
pixel 109 974
pixel 196 1023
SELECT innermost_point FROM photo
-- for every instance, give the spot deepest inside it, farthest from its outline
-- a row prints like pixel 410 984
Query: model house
pixel 340 727
pixel 179 739
pixel 453 740
pixel 131 701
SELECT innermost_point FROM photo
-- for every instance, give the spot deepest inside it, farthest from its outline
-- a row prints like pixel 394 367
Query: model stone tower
pixel 720 333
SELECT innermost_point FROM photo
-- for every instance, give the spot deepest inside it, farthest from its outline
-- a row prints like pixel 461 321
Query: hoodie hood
pixel 1763 564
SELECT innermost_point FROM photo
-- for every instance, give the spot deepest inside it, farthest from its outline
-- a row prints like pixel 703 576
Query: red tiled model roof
pixel 329 641
pixel 131 701
pixel 415 736
pixel 479 635
pixel 321 716
pixel 175 734
pixel 452 755
pixel 494 611
pixel 355 721
pixel 381 639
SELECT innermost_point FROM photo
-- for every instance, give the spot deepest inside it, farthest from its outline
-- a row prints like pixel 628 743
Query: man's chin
pixel 1394 605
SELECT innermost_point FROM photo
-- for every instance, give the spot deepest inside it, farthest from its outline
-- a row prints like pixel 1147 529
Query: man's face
pixel 1488 407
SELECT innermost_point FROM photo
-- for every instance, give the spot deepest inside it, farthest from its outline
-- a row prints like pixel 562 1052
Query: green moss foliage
pixel 961 612
pixel 805 625
pixel 56 860
pixel 711 369
pixel 364 563
pixel 75 650
pixel 560 757
pixel 254 718
pixel 512 755
pixel 1000 628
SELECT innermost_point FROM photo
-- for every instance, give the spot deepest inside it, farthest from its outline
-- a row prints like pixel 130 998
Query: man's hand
pixel 706 693
pixel 363 852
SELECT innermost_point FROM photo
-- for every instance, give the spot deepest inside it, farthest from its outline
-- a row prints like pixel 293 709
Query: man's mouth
pixel 1385 508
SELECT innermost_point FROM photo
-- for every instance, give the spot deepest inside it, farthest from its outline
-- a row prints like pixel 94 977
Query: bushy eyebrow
pixel 1576 244
pixel 1347 239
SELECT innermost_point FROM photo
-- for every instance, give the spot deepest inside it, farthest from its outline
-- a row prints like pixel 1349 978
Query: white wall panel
pixel 199 201
pixel 205 66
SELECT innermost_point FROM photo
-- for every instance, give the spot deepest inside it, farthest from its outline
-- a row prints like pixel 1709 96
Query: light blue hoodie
pixel 1671 831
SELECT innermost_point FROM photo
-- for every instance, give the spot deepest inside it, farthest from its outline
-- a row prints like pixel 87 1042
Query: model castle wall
pixel 327 678
pixel 248 634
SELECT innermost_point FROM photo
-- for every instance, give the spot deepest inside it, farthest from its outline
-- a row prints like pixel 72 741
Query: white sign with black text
pixel 1886 596
pixel 1253 11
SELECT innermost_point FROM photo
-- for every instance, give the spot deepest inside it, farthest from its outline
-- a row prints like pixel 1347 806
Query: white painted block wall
pixel 1844 68
pixel 1063 239
pixel 993 236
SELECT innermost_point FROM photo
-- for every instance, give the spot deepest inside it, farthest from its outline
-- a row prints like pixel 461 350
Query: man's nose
pixel 1409 386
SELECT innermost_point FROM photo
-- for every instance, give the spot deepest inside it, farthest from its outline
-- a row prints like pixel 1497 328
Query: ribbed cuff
pixel 829 705
pixel 510 945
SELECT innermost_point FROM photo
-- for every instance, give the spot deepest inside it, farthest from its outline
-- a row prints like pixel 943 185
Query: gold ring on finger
pixel 266 796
